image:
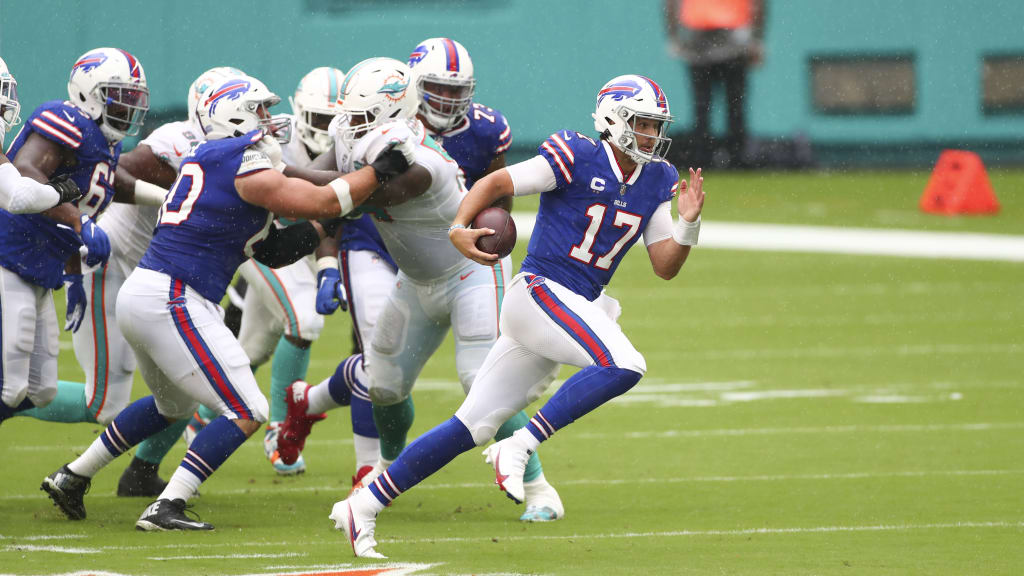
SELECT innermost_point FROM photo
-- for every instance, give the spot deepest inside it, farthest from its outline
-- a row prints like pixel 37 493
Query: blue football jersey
pixel 33 246
pixel 475 142
pixel 205 230
pixel 595 213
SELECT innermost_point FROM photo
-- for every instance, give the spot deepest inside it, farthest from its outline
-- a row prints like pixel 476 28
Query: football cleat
pixel 140 478
pixel 164 515
pixel 542 502
pixel 297 424
pixel 358 527
pixel 270 449
pixel 508 457
pixel 196 424
pixel 67 490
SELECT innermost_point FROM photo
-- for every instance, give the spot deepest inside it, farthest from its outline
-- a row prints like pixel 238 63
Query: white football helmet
pixel 203 83
pixel 624 100
pixel 109 85
pixel 375 92
pixel 314 106
pixel 234 107
pixel 9 105
pixel 443 73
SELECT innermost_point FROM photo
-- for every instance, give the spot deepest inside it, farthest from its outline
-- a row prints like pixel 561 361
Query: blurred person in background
pixel 720 40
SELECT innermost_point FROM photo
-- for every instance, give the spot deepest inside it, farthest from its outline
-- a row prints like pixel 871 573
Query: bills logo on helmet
pixel 394 88
pixel 620 91
pixel 133 65
pixel 418 54
pixel 662 101
pixel 230 90
pixel 89 62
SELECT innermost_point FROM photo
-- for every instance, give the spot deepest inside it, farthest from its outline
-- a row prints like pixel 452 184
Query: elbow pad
pixel 284 246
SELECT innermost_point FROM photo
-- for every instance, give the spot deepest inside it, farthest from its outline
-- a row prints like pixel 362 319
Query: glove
pixel 392 162
pixel 76 301
pixel 66 188
pixel 96 241
pixel 272 148
pixel 330 292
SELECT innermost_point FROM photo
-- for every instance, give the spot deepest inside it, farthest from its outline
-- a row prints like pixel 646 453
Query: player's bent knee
pixel 260 410
pixel 484 429
pixel 43 397
pixel 634 362
pixel 301 343
pixel 385 396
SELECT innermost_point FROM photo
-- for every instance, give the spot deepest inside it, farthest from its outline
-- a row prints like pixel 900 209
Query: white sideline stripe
pixel 335 489
pixel 971 427
pixel 739 532
pixel 57 549
pixel 45 537
pixel 229 556
pixel 834 240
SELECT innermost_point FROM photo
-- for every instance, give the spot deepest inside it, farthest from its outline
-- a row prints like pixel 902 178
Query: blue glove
pixel 95 239
pixel 76 301
pixel 330 292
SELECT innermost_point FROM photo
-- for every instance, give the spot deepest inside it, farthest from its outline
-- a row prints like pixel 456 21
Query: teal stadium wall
pixel 541 62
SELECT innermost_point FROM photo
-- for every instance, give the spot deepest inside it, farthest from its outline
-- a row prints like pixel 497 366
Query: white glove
pixel 272 148
pixel 400 135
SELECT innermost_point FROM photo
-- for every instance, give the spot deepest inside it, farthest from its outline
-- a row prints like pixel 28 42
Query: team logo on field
pixel 619 91
pixel 89 62
pixel 231 90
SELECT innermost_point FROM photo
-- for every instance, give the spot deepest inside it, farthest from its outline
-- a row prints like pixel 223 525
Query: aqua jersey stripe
pixel 332 85
pixel 101 358
pixel 282 297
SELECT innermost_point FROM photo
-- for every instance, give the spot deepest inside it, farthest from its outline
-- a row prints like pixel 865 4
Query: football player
pixel 476 137
pixel 18 194
pixel 597 198
pixel 279 313
pixel 106 357
pixel 218 213
pixel 79 137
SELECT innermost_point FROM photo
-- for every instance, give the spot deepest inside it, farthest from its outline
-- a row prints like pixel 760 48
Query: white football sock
pixel 93 460
pixel 367 450
pixel 320 399
pixel 182 485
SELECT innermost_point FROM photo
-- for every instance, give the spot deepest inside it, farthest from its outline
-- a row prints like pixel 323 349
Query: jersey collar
pixel 616 169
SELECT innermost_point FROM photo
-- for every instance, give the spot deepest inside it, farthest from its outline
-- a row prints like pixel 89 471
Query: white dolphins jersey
pixel 416 231
pixel 130 227
pixel 295 153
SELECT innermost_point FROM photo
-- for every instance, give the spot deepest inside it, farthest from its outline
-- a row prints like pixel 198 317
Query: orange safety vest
pixel 715 14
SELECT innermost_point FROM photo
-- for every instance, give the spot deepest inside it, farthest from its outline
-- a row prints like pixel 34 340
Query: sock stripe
pixel 193 469
pixel 536 425
pixel 540 415
pixel 119 438
pixel 113 446
pixel 391 483
pixel 382 492
pixel 379 494
pixel 199 459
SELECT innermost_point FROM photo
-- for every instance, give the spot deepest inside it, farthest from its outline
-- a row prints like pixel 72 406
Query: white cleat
pixel 358 527
pixel 508 457
pixel 542 502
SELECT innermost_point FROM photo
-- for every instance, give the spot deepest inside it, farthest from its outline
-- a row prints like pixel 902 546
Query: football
pixel 504 237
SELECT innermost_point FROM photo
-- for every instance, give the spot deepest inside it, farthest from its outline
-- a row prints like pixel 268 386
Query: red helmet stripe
pixel 453 55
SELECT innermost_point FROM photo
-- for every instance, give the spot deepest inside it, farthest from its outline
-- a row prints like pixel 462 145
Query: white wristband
pixel 341 188
pixel 326 263
pixel 686 233
pixel 147 194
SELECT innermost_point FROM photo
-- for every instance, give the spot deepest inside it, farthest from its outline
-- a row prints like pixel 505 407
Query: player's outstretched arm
pixel 669 255
pixel 22 195
pixel 142 178
pixel 38 159
pixel 484 193
pixel 297 198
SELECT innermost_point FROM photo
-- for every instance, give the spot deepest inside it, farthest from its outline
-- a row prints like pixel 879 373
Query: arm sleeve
pixel 23 195
pixel 532 176
pixel 284 246
pixel 660 225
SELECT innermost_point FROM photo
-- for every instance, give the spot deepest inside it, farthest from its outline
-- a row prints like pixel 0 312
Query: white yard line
pixel 834 240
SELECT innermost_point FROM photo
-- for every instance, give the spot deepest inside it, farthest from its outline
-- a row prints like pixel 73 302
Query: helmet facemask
pixel 642 147
pixel 312 128
pixel 9 105
pixel 445 101
pixel 124 109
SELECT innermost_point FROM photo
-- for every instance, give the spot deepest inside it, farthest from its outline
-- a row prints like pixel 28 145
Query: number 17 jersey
pixel 595 213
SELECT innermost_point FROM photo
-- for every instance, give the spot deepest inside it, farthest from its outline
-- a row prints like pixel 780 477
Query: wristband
pixel 326 263
pixel 456 227
pixel 342 189
pixel 686 233
pixel 147 194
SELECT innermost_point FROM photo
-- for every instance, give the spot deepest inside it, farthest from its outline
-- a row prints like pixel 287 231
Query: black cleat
pixel 67 490
pixel 140 478
pixel 169 515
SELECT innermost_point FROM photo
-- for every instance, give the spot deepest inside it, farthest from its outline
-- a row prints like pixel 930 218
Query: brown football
pixel 504 237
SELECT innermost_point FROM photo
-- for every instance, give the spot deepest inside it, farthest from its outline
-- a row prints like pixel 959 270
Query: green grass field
pixel 801 414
